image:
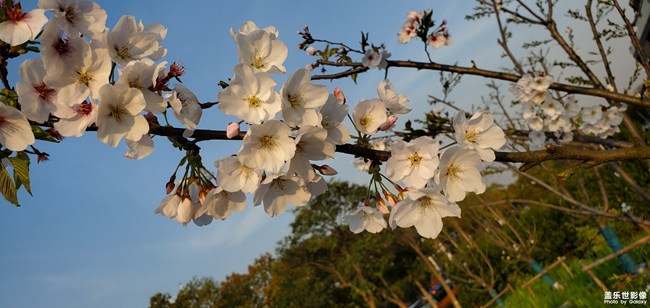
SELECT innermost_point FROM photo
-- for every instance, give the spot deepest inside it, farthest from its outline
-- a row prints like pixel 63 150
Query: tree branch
pixel 487 74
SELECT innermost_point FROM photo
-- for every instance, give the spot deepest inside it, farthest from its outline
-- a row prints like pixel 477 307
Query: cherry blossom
pixel 82 77
pixel 77 16
pixel 84 115
pixel 414 163
pixel 458 173
pixel 375 59
pixel 311 144
pixel 250 26
pixel 267 146
pixel 169 206
pixel 365 218
pixel 233 176
pixel 262 51
pixel 130 41
pixel 20 27
pixel 221 203
pixel 59 48
pixel 15 131
pixel 299 97
pixel 250 96
pixel 142 75
pixel 38 100
pixel 139 149
pixel 423 208
pixel 395 103
pixel 479 133
pixel 186 108
pixel 277 191
pixel 119 115
pixel 368 115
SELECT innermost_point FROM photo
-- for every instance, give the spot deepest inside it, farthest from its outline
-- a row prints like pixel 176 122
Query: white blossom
pixel 130 41
pixel 233 176
pixel 250 96
pixel 277 191
pixel 423 208
pixel 458 173
pixel 365 218
pixel 368 115
pixel 267 146
pixel 479 133
pixel 262 51
pixel 414 163
pixel 221 203
pixel 186 108
pixel 119 115
pixel 395 103
pixel 77 16
pixel 15 131
pixel 300 96
pixel 20 27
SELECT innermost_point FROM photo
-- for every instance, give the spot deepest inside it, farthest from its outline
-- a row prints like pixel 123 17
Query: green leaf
pixel 7 186
pixel 354 78
pixel 21 171
pixel 41 134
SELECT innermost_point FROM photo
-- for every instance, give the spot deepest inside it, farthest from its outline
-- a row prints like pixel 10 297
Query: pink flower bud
pixel 388 124
pixel 327 170
pixel 169 187
pixel 232 130
pixel 381 205
pixel 392 199
pixel 339 94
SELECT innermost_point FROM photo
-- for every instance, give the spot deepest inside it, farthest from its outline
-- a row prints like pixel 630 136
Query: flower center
pixel 300 147
pixel 258 62
pixel 471 136
pixel 85 78
pixel 224 194
pixel 117 112
pixel 63 47
pixel 85 108
pixel 16 14
pixel 135 84
pixel 279 184
pixel 415 159
pixel 294 100
pixel 425 202
pixel 71 13
pixel 122 51
pixel 365 120
pixel 268 143
pixel 44 92
pixel 247 171
pixel 453 171
pixel 254 101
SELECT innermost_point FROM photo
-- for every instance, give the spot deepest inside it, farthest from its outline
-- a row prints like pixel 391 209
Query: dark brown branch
pixel 599 44
pixel 591 157
pixel 489 74
pixel 343 74
pixel 633 37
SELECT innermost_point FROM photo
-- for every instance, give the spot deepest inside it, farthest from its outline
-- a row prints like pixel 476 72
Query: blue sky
pixel 89 237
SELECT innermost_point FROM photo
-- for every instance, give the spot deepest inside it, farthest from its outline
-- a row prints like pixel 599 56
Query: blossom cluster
pixel 287 131
pixel 543 113
pixel 71 84
pixel 434 180
pixel 418 24
pixel 290 131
